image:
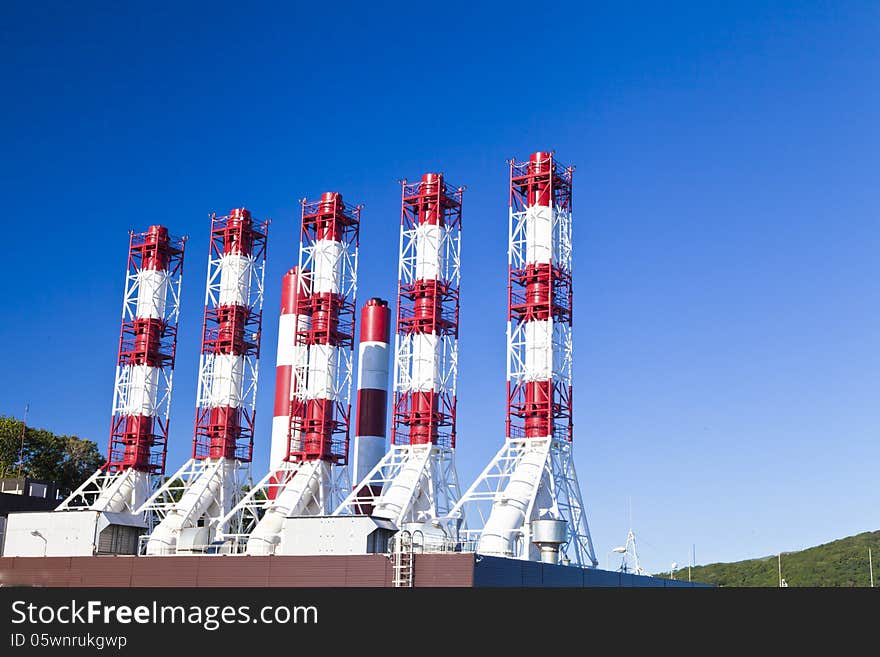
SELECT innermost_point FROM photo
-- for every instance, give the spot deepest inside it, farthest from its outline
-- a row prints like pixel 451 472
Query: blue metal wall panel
pixel 532 574
pixel 641 580
pixel 562 575
pixel 498 571
pixel 594 577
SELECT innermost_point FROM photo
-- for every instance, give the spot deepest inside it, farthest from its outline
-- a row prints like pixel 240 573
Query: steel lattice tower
pixel 144 371
pixel 416 480
pixel 307 474
pixel 533 477
pixel 202 491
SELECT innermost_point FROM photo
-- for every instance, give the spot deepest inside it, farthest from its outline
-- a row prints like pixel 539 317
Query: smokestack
pixel 416 480
pixel 536 310
pixel 207 487
pixel 147 345
pixel 372 390
pixel 319 422
pixel 294 319
pixel 318 321
pixel 531 481
pixel 227 344
pixel 144 369
pixel 424 410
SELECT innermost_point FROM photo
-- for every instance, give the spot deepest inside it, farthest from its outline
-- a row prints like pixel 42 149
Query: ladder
pixel 403 560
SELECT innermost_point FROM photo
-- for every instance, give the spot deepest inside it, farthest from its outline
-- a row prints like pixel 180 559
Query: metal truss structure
pixel 416 480
pixel 144 373
pixel 533 476
pixel 312 478
pixel 232 326
pixel 328 259
pixel 411 484
pixel 212 482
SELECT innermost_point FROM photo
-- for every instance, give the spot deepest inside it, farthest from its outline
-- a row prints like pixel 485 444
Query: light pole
pixel 871 567
pixel 619 550
pixel 45 542
pixel 693 558
pixel 782 582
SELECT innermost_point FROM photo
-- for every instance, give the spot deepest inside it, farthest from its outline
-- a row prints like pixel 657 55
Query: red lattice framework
pixel 427 307
pixel 537 292
pixel 227 431
pixel 320 424
pixel 140 442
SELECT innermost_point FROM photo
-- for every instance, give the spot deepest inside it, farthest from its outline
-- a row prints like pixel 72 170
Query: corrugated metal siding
pixel 601 578
pixel 232 571
pixel 367 570
pixel 48 571
pixel 430 570
pixel 307 571
pixel 554 575
pixel 444 570
pixel 498 571
pixel 495 571
pixel 102 571
pixel 531 574
pixel 164 571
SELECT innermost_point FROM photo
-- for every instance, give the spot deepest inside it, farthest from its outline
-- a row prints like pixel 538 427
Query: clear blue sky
pixel 726 222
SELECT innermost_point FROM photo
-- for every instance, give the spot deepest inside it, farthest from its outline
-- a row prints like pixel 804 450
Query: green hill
pixel 843 562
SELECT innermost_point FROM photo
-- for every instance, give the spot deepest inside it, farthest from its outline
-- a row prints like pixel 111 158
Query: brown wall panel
pixel 444 570
pixel 372 570
pixel 37 571
pixel 102 571
pixel 165 571
pixel 233 571
pixel 307 571
pixel 367 570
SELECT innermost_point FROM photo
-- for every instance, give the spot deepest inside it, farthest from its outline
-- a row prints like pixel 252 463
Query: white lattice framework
pixel 101 485
pixel 102 482
pixel 252 279
pixel 562 331
pixel 450 274
pixel 347 261
pixel 214 475
pixel 545 463
pixel 207 473
pixel 434 479
pixel 431 467
pixel 122 386
pixel 243 518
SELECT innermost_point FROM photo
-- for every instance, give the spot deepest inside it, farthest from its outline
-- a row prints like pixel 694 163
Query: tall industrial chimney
pixel 144 372
pixel 416 480
pixel 316 343
pixel 195 500
pixel 532 478
pixel 372 391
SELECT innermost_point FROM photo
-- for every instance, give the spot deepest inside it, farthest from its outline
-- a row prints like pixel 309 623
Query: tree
pixel 66 460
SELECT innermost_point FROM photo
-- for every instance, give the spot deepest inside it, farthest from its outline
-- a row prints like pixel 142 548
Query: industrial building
pixel 337 506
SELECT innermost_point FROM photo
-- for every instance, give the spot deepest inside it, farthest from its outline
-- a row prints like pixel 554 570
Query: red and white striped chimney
pixel 319 421
pixel 427 311
pixel 139 430
pixel 291 353
pixel 372 388
pixel 143 384
pixel 219 430
pixel 537 318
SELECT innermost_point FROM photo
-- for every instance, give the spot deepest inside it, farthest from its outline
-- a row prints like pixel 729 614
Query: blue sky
pixel 727 309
